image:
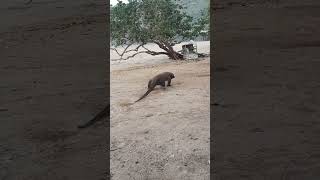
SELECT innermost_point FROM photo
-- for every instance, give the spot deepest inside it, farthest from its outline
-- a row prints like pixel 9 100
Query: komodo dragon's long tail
pixel 145 94
pixel 98 117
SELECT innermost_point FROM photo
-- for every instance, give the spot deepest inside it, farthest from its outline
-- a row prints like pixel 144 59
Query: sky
pixel 113 2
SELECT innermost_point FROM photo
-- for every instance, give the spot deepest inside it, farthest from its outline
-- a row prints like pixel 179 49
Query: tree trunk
pixel 175 55
pixel 171 52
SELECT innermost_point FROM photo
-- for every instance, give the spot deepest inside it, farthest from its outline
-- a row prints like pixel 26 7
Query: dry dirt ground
pixel 266 85
pixel 52 71
pixel 166 135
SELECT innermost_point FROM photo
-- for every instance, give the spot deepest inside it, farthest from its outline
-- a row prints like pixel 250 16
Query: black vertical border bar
pixel 107 46
pixel 296 156
pixel 212 60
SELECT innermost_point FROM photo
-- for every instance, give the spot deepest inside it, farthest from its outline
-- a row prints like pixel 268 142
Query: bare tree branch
pixel 126 50
pixel 147 52
pixel 146 48
pixel 169 51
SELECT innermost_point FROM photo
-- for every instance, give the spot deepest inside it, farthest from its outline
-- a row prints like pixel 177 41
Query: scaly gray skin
pixel 159 79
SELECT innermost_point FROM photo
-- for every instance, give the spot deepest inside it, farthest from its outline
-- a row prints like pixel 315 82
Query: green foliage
pixel 124 22
pixel 144 21
pixel 203 21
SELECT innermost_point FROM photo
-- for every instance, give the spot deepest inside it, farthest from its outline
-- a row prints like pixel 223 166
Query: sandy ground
pixel 52 73
pixel 167 134
pixel 266 85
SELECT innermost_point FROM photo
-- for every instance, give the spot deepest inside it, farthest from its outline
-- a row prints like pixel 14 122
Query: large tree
pixel 162 22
